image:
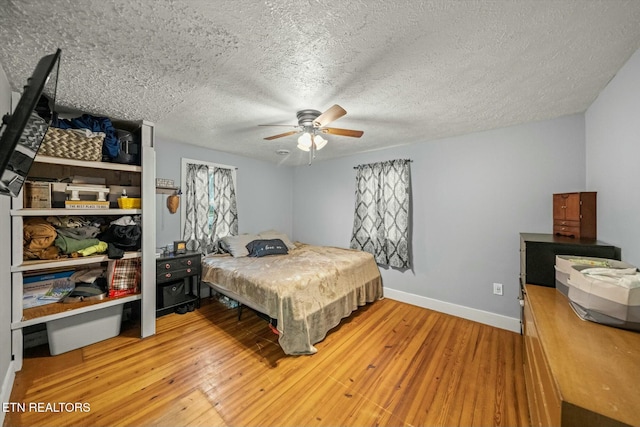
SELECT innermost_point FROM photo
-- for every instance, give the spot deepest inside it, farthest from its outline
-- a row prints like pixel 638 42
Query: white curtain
pixel 224 201
pixel 381 219
pixel 197 232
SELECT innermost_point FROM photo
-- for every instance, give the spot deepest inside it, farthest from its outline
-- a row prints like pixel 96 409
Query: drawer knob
pixel 167 266
pixel 168 275
pixel 188 270
pixel 188 262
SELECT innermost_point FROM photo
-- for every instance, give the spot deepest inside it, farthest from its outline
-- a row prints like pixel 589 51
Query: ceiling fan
pixel 311 124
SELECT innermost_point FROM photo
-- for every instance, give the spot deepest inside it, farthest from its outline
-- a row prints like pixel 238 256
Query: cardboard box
pixel 45 289
pixel 37 195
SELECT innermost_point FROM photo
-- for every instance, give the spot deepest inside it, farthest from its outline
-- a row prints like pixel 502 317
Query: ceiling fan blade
pixel 333 113
pixel 293 132
pixel 343 132
pixel 289 126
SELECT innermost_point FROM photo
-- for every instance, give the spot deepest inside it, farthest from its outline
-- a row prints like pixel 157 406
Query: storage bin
pixel 603 298
pixel 73 332
pixel 173 294
pixel 77 144
pixel 129 202
pixel 116 191
pixel 565 262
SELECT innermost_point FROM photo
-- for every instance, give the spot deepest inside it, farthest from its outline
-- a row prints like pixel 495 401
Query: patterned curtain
pixel 381 220
pixel 196 228
pixel 224 200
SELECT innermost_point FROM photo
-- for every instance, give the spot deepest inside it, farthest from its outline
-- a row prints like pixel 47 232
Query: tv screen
pixel 24 129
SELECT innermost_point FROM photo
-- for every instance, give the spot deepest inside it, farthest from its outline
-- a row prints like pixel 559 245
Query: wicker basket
pixel 71 144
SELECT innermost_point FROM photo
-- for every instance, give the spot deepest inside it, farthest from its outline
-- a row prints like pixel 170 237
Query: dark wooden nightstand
pixel 177 282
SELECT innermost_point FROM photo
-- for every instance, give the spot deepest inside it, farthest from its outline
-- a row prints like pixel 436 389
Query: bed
pixel 309 290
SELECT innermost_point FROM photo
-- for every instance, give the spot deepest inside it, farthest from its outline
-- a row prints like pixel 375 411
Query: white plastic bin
pixel 83 329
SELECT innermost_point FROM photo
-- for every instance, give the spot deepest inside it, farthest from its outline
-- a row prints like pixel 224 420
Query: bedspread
pixel 308 290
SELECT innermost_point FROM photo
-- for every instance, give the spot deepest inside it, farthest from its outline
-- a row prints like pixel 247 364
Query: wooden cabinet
pixel 574 215
pixel 538 255
pixel 577 373
pixel 113 174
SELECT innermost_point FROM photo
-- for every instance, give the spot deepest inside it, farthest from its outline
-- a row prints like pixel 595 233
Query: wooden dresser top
pixel 595 367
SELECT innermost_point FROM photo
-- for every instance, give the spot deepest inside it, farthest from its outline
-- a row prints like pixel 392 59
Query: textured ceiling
pixel 209 72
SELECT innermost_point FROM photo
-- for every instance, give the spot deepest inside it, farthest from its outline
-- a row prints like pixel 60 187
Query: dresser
pixel 577 373
pixel 574 215
pixel 177 281
pixel 538 255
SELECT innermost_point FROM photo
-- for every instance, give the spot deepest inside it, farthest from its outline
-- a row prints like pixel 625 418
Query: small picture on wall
pixel 180 246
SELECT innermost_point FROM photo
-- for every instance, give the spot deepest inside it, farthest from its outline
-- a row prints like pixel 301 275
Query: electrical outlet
pixel 497 288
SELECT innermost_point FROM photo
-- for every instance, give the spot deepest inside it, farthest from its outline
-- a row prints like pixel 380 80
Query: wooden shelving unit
pixel 49 312
pixel 34 265
pixel 54 168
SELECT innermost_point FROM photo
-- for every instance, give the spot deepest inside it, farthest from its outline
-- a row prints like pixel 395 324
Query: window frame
pixel 183 181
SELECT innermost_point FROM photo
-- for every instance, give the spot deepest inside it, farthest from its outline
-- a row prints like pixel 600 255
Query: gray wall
pixel 5 262
pixel 613 159
pixel 263 190
pixel 472 196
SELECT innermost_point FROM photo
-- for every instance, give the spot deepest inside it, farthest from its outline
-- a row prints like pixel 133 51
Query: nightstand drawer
pixel 174 264
pixel 171 275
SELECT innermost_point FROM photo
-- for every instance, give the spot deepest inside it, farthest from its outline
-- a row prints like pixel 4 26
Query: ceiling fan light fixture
pixel 319 141
pixel 312 124
pixel 305 141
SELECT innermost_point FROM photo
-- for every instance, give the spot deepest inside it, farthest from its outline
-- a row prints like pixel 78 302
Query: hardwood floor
pixel 388 364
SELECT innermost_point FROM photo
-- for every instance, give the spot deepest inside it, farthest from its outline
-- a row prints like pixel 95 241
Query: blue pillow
pixel 259 248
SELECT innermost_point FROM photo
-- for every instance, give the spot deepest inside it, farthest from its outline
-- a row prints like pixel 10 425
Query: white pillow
pixel 237 245
pixel 274 234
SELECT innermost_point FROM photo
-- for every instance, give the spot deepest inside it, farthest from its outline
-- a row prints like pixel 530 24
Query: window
pixel 381 218
pixel 210 210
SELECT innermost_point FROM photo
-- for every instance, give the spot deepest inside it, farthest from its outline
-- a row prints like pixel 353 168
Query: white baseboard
pixel 481 316
pixel 7 386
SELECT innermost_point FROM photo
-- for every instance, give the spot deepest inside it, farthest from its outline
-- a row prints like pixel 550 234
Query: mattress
pixel 309 290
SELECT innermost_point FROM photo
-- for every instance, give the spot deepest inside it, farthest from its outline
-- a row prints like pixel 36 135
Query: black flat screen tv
pixel 24 129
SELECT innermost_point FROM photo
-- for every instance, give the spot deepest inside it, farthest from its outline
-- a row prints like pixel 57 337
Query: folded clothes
pixel 125 237
pixel 625 277
pixel 69 245
pixel 87 275
pixel 125 220
pixel 101 247
pixel 51 252
pixel 67 221
pixel 114 252
pixel 86 232
pixel 38 234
